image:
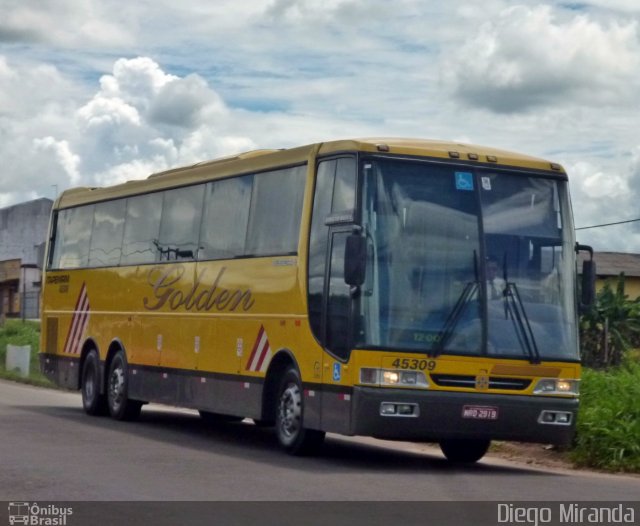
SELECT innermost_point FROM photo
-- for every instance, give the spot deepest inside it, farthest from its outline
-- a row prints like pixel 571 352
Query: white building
pixel 23 234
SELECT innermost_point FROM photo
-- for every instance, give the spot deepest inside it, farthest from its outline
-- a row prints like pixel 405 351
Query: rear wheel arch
pixel 115 346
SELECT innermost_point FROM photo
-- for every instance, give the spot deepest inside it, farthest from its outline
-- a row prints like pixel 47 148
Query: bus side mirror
pixel 588 284
pixel 355 260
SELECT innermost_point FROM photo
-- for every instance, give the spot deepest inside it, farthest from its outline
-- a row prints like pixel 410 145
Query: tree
pixel 611 327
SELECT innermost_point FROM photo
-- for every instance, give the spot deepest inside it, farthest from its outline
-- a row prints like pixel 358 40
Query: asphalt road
pixel 50 450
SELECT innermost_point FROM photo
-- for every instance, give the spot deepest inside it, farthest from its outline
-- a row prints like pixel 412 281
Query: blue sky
pixel 95 92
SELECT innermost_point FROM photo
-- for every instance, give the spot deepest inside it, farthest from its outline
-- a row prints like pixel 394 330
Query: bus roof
pixel 259 160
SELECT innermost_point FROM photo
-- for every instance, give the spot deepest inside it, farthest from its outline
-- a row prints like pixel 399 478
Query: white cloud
pixel 63 156
pixel 185 102
pixel 607 193
pixel 143 120
pixel 528 57
pixel 219 77
pixel 63 22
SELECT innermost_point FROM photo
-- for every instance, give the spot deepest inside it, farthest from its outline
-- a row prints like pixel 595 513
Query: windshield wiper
pixel 514 307
pixel 469 292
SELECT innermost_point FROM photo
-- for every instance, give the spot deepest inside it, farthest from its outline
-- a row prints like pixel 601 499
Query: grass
pixel 608 427
pixel 16 332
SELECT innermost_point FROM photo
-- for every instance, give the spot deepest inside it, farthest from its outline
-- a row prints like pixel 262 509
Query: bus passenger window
pixel 226 216
pixel 276 206
pixel 141 229
pixel 73 235
pixel 106 235
pixel 180 223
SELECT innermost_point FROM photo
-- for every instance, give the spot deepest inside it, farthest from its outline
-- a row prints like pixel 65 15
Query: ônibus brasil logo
pixel 34 514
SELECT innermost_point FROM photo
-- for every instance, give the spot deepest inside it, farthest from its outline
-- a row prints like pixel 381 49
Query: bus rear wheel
pixel 93 402
pixel 464 451
pixel 121 407
pixel 292 436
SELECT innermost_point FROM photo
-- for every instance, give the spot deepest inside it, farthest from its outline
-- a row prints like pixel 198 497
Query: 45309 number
pixel 414 364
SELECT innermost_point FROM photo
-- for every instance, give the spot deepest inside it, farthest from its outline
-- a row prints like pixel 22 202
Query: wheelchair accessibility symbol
pixel 464 181
pixel 337 373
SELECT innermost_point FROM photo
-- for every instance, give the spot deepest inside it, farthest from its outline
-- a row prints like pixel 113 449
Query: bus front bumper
pixel 435 415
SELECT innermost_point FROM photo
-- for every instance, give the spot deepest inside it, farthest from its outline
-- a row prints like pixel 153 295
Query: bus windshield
pixel 466 261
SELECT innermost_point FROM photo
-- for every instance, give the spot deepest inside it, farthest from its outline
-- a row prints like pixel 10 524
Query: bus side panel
pixel 65 319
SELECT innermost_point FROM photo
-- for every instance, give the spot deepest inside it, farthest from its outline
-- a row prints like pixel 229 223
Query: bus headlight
pixel 557 386
pixel 392 377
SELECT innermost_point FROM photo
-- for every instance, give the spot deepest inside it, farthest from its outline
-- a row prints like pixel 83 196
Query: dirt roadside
pixel 539 455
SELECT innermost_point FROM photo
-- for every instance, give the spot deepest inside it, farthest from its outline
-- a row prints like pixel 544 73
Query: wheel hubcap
pixel 89 386
pixel 290 412
pixel 116 387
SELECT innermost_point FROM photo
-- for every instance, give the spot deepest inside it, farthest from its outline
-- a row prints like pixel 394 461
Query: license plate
pixel 480 412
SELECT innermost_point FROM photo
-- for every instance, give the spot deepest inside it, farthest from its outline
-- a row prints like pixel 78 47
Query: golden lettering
pixel 164 282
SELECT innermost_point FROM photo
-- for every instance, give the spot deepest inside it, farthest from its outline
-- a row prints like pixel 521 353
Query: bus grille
pixel 469 382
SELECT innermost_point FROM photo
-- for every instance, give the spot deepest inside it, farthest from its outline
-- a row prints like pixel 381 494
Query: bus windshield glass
pixel 466 261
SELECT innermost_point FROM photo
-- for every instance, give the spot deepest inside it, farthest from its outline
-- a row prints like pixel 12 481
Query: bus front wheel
pixel 293 437
pixel 120 405
pixel 93 402
pixel 464 451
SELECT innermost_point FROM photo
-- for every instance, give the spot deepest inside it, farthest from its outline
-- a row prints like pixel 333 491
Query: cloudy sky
pixel 96 92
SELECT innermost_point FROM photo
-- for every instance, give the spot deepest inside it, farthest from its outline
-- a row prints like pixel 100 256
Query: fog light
pixel 396 409
pixel 405 409
pixel 387 409
pixel 559 418
pixel 548 417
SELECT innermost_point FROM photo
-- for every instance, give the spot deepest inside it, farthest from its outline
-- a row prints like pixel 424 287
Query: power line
pixel 609 224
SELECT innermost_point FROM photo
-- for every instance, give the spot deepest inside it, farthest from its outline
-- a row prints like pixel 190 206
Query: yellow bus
pixel 396 288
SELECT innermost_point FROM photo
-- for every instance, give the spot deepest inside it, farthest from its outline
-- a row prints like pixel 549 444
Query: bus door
pixel 338 328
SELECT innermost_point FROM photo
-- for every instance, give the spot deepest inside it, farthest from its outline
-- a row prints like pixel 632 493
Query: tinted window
pixel 338 315
pixel 71 249
pixel 226 215
pixel 106 236
pixel 334 193
pixel 141 229
pixel 180 224
pixel 276 205
pixel 421 225
pixel 344 189
pixel 318 242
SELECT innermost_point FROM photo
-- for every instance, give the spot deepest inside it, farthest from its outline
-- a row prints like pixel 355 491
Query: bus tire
pixel 93 402
pixel 292 436
pixel 121 407
pixel 464 451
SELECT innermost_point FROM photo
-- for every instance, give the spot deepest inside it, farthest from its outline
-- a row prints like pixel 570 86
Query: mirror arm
pixel 585 248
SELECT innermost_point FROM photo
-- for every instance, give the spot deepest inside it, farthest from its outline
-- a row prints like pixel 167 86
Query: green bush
pixel 608 427
pixel 16 332
pixel 611 327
